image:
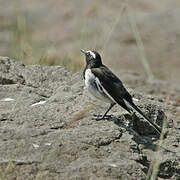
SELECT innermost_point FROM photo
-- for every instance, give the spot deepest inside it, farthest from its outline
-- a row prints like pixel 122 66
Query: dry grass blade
pixel 154 166
pixel 167 100
pixel 81 114
pixel 109 34
pixel 140 45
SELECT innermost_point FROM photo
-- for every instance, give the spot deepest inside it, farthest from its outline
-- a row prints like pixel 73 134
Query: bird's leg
pixel 133 114
pixel 105 116
pixel 134 118
pixel 110 107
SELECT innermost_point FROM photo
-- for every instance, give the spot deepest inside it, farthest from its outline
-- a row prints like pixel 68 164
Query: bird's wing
pixel 112 85
pixel 115 89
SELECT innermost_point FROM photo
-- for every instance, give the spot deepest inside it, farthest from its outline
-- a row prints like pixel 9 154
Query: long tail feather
pixel 135 108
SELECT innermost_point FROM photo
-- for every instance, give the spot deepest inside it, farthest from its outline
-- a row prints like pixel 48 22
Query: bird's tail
pixel 136 109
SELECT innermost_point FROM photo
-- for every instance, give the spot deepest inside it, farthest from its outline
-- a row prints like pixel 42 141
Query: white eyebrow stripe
pixel 92 54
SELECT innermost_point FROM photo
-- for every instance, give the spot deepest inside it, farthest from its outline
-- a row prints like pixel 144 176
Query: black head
pixel 93 58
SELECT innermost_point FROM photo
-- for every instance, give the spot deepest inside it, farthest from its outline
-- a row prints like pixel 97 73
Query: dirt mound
pixel 47 131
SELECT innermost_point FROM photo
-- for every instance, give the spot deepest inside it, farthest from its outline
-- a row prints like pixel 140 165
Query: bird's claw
pixel 99 117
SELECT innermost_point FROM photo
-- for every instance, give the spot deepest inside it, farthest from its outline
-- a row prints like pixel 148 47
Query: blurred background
pixel 140 36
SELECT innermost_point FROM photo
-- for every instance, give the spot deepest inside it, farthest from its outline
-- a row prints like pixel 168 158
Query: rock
pixel 47 131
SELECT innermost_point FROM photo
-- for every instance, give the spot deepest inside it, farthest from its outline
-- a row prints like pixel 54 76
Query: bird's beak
pixel 83 51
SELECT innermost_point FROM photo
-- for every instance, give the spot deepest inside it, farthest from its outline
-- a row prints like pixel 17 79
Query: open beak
pixel 83 51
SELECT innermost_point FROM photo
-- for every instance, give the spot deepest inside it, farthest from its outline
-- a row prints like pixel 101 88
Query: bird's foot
pixel 99 117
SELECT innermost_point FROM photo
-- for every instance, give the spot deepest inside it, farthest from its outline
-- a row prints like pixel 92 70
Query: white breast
pixel 89 78
pixel 95 88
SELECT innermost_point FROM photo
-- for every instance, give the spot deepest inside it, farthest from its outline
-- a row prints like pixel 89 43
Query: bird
pixel 103 84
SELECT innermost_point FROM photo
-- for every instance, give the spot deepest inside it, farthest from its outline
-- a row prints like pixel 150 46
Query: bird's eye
pixel 88 54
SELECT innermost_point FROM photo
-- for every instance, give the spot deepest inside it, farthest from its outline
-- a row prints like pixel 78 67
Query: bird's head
pixel 93 58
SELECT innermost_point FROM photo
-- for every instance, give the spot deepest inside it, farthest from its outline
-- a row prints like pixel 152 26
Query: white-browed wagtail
pixel 106 86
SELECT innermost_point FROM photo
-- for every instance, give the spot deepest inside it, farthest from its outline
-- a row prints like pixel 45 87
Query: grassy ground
pixel 51 33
